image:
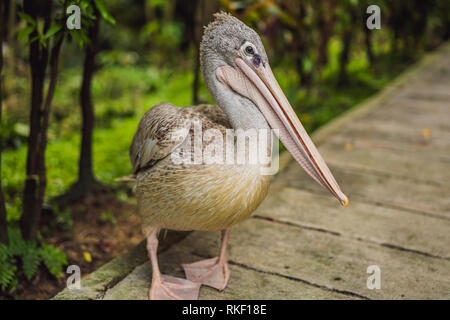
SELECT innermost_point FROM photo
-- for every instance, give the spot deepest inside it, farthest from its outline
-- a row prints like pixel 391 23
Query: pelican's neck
pixel 242 113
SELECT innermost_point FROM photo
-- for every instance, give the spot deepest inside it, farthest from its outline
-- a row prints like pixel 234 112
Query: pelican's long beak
pixel 258 84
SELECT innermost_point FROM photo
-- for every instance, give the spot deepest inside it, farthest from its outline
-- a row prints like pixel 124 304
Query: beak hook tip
pixel 344 202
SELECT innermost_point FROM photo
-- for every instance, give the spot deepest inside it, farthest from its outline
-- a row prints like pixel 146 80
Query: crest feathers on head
pixel 220 18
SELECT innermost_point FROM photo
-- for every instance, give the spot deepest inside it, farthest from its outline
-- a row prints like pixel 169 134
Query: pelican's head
pixel 227 38
pixel 234 62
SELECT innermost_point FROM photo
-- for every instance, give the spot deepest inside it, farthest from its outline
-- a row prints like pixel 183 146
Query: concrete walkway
pixel 391 156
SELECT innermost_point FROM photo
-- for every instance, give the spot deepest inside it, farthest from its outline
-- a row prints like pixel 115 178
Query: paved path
pixel 391 156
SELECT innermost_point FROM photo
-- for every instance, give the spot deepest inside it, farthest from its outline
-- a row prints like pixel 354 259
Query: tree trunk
pixel 199 17
pixel 86 183
pixel 367 32
pixel 300 68
pixel 10 38
pixel 325 23
pixel 35 181
pixel 369 47
pixel 347 38
pixel 32 205
pixel 203 15
pixel 3 226
pixel 301 45
pixel 54 60
pixel 85 172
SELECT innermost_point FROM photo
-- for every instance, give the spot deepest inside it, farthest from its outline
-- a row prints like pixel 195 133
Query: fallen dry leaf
pixel 426 132
pixel 87 257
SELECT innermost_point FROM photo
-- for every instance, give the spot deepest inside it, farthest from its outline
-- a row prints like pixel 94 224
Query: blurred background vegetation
pixel 71 99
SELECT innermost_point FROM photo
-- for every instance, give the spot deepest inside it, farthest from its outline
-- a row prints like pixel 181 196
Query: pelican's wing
pixel 213 113
pixel 163 128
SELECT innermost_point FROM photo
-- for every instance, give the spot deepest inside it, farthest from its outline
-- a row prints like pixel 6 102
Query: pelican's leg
pixel 167 287
pixel 211 272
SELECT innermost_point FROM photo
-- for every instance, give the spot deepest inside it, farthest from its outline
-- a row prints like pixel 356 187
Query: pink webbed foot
pixel 211 272
pixel 172 288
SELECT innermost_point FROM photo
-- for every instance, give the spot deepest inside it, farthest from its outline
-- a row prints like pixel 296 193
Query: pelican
pixel 214 196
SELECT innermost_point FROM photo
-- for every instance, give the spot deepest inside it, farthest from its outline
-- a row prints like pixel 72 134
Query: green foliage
pixel 25 32
pixel 52 30
pixel 14 210
pixel 30 255
pixel 87 17
pixel 36 24
pixel 27 18
pixel 64 219
pixel 105 15
pixel 165 36
pixel 30 260
pixel 8 278
pixel 54 259
pixel 108 217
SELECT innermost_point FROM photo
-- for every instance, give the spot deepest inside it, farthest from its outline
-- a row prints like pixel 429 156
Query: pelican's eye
pixel 249 50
